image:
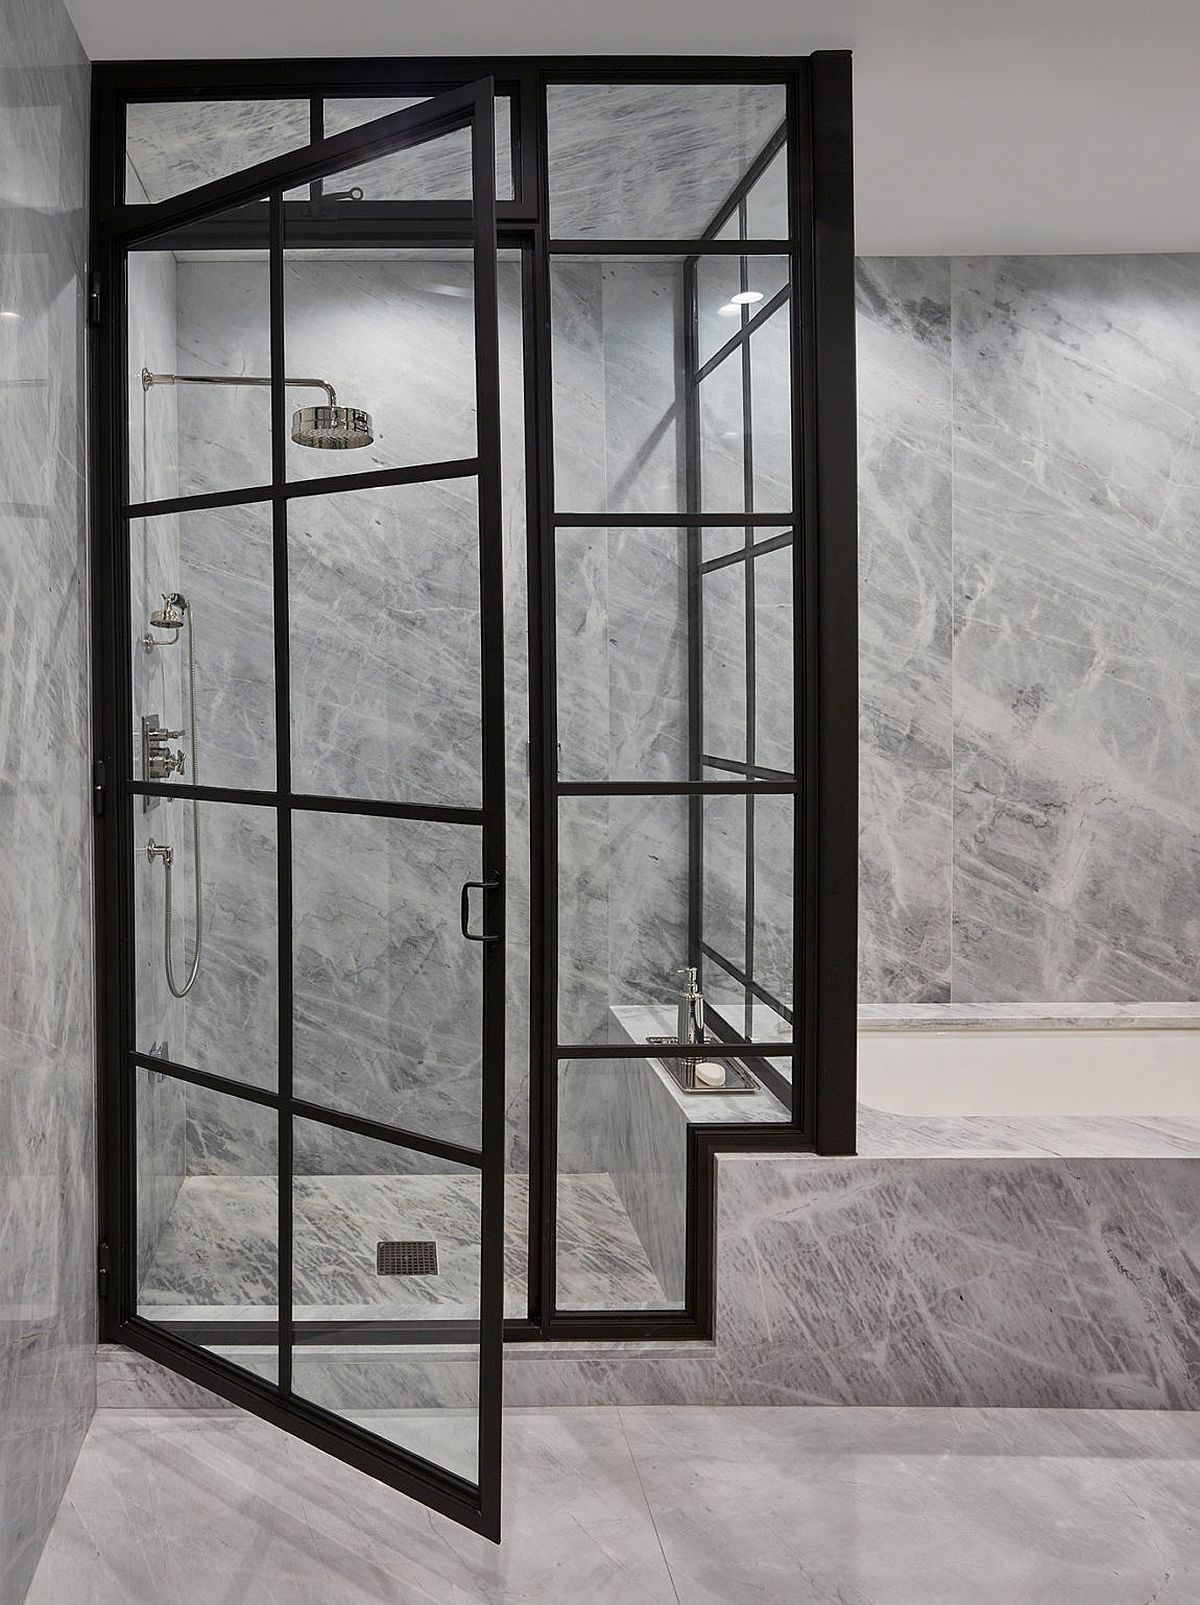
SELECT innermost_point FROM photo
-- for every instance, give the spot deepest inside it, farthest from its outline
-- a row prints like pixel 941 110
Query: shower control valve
pixel 163 763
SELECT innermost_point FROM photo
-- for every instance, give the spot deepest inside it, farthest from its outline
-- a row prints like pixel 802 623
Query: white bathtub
pixel 1016 1059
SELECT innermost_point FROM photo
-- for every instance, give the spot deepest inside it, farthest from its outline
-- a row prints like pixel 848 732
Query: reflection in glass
pixel 730 290
pixel 652 161
pixel 350 1196
pixel 207 1209
pixel 622 909
pixel 173 146
pixel 439 170
pixel 385 655
pixel 774 648
pixel 622 633
pixel 388 994
pixel 723 656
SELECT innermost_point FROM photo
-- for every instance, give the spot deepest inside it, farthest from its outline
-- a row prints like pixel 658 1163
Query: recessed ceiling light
pixel 11 316
pixel 746 298
pixel 729 310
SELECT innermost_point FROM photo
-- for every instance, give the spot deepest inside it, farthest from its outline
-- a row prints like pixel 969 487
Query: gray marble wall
pixel 1030 652
pixel 47 1219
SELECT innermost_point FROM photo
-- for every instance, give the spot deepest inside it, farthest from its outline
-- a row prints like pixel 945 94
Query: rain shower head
pixel 328 428
pixel 332 428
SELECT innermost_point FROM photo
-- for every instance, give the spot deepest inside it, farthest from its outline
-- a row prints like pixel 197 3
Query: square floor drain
pixel 406 1259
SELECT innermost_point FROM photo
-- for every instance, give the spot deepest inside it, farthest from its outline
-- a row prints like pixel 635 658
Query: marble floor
pixel 650 1506
pixel 216 1255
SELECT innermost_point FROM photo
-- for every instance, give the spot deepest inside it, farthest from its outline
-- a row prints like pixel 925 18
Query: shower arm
pixel 149 379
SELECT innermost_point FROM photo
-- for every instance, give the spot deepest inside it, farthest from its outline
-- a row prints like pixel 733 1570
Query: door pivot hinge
pixel 93 297
pixel 103 1263
pixel 98 788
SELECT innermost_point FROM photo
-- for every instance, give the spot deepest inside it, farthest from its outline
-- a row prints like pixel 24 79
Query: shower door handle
pixel 465 908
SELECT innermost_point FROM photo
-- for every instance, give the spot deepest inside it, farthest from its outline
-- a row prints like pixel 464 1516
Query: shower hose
pixel 194 968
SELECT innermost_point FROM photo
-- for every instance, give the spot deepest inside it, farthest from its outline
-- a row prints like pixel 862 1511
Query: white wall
pixel 1033 126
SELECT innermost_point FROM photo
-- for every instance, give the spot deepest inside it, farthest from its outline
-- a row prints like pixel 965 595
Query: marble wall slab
pixel 905 617
pixel 1031 660
pixel 1013 1282
pixel 47 1207
pixel 1010 1281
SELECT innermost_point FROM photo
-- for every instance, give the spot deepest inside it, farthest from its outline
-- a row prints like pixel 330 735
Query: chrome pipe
pixel 149 379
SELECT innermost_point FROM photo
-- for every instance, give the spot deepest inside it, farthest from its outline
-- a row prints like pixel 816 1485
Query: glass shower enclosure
pixel 469 564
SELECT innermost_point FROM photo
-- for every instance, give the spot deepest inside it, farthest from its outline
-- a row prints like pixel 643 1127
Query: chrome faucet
pixel 691 1009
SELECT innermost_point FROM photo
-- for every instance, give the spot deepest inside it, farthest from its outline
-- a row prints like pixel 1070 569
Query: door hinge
pixel 93 298
pixel 98 788
pixel 103 1263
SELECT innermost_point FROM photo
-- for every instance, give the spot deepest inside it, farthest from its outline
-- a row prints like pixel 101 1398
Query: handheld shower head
pixel 332 428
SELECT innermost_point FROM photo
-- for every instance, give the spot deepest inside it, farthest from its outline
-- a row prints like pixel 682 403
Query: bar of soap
pixel 710 1074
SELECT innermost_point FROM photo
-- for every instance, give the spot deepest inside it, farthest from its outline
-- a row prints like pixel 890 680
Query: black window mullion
pixel 748 598
pixel 283 782
pixel 316 132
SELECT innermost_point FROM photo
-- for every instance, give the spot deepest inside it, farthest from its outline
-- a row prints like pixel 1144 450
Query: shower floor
pixel 215 1258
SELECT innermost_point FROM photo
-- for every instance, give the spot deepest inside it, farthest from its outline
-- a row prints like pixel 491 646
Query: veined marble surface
pixel 650 1507
pixel 217 1256
pixel 1006 1281
pixel 1028 1016
pixel 174 146
pixel 47 1206
pixel 654 161
pixel 1030 653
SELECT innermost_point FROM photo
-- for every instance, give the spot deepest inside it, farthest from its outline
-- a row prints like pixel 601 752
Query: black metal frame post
pixel 819 249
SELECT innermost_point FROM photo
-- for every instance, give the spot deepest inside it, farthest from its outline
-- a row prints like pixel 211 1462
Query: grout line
pixel 646 1501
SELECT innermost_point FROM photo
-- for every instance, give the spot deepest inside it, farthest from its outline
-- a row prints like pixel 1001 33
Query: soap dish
pixel 683 1073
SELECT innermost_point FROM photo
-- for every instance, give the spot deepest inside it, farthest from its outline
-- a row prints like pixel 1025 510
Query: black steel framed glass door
pixel 303 850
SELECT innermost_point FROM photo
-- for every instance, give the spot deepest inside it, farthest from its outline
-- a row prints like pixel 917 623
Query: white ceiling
pixel 1010 126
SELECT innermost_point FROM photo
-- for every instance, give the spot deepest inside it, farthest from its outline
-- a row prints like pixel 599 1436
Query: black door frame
pixel 820 251
pixel 474 1504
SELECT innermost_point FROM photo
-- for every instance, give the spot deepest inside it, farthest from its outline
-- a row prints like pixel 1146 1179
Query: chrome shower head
pixel 332 428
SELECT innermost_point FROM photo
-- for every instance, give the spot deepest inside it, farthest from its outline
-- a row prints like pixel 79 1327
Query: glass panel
pixel 772 963
pixel 393 332
pixel 207 1209
pixel 730 290
pixel 723 927
pixel 228 1021
pixel 350 1195
pixel 199 310
pixel 774 701
pixel 719 542
pixel 389 1000
pixel 440 171
pixel 618 384
pixel 173 146
pixel 385 655
pixel 652 161
pixel 723 656
pixel 217 563
pixel 622 633
pixel 771 412
pixel 722 439
pixel 621 1230
pixel 623 894
pixel 767 201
